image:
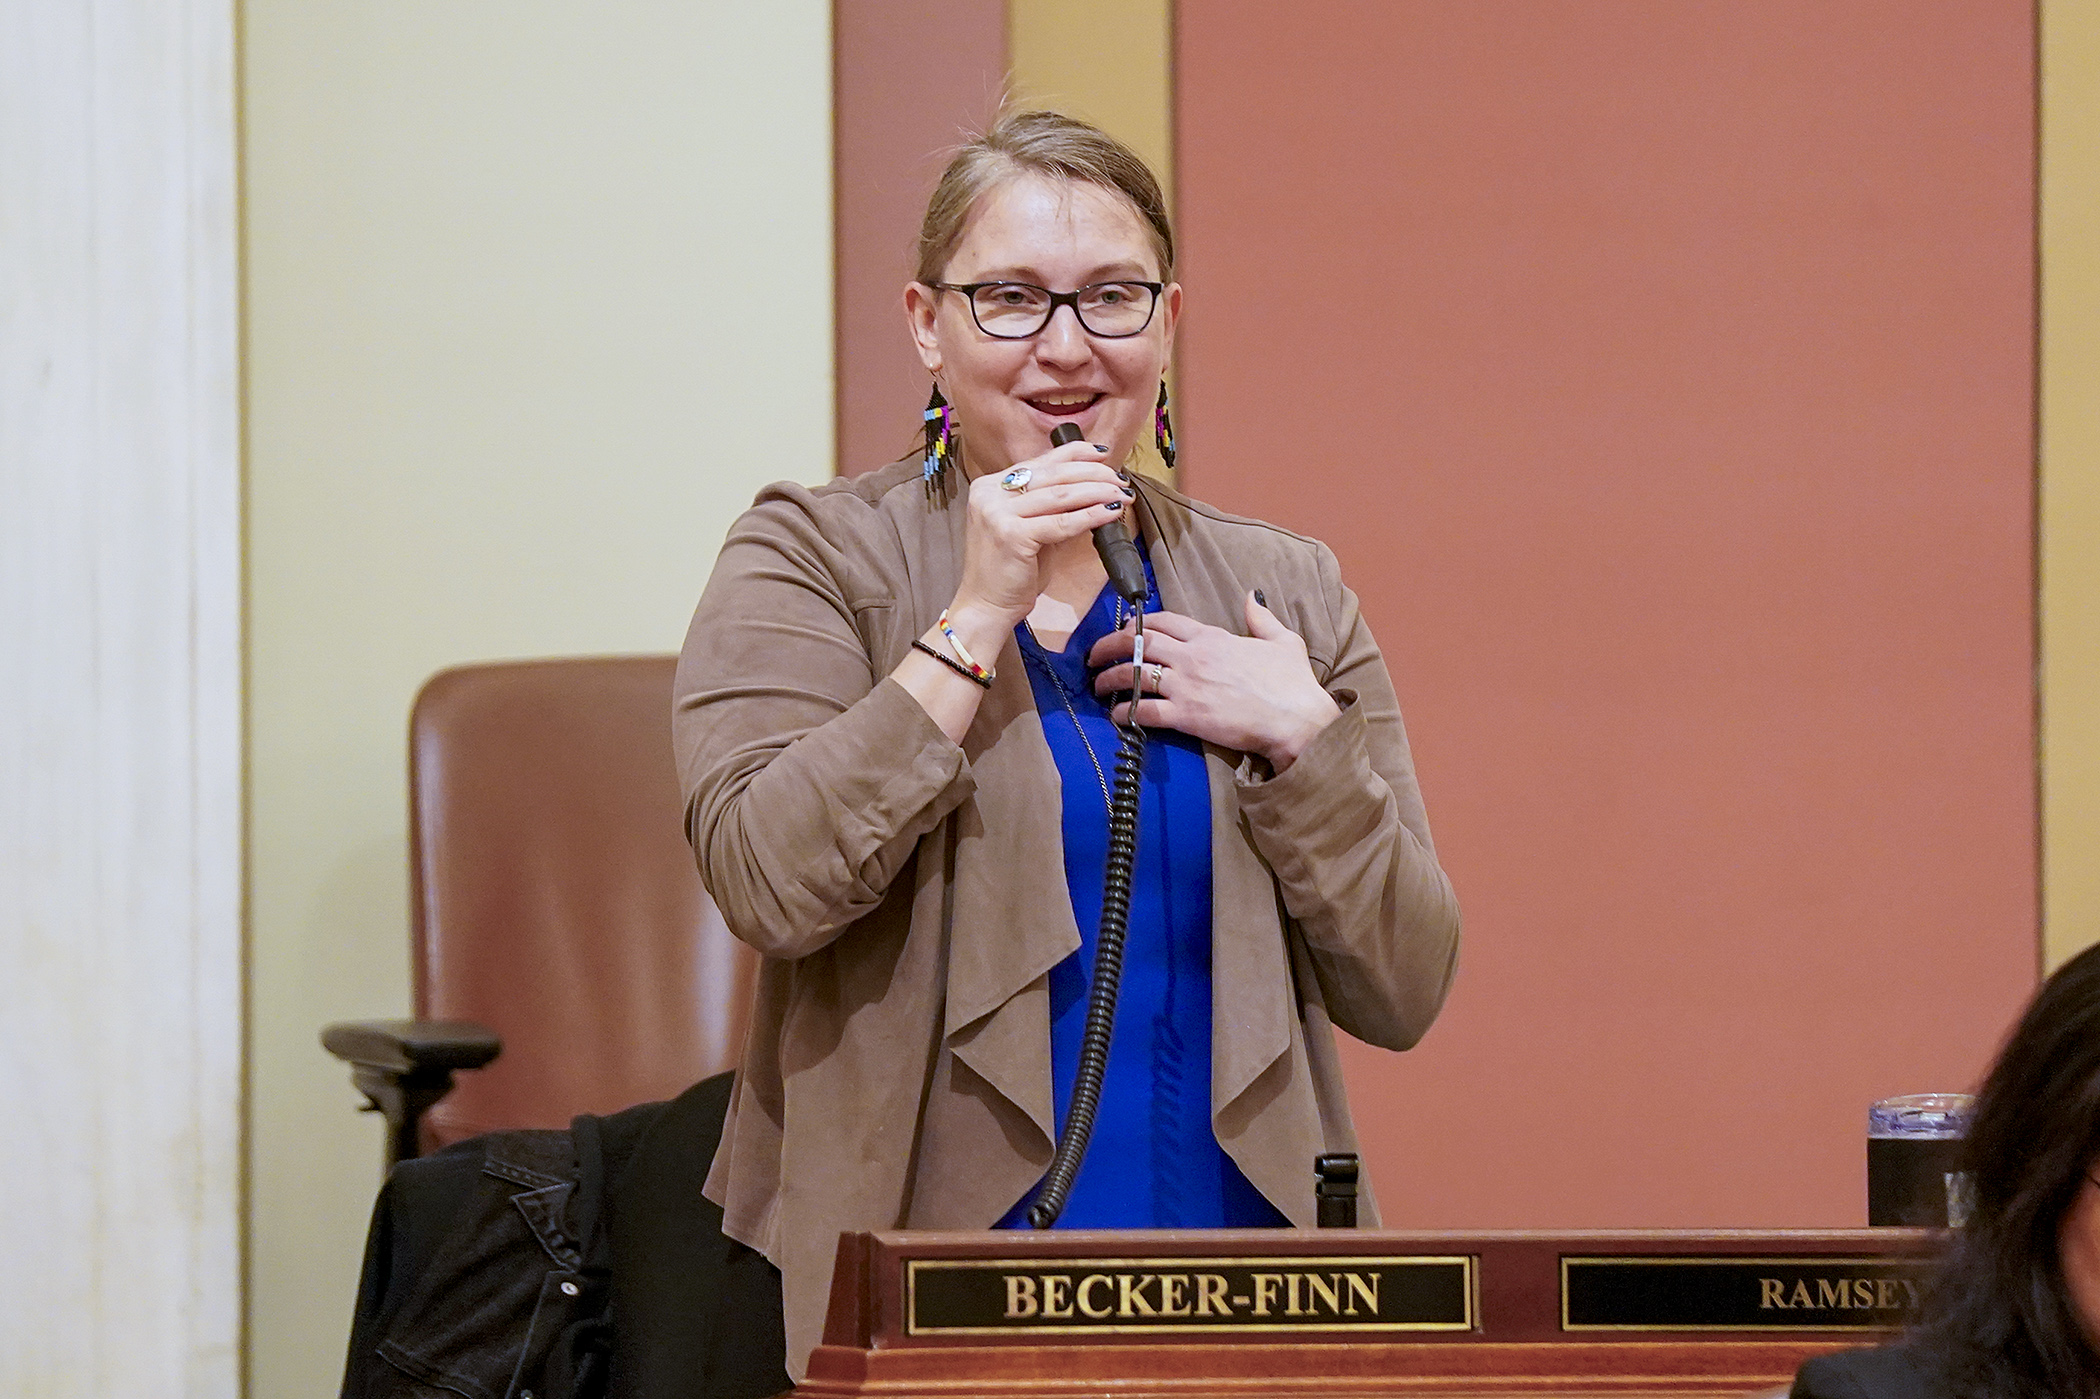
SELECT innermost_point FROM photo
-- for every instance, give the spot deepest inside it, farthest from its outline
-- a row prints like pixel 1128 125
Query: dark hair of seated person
pixel 2001 1317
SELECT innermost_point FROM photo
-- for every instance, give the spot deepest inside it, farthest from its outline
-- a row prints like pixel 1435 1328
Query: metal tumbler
pixel 1914 1174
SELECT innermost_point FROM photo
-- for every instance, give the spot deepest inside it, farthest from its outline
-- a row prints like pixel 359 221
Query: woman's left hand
pixel 1255 693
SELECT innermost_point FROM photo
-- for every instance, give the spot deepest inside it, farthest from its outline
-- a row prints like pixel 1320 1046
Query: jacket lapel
pixel 1010 920
pixel 1251 1008
pixel 1012 912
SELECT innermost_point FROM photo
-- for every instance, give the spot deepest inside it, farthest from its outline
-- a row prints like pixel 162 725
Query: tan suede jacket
pixel 909 894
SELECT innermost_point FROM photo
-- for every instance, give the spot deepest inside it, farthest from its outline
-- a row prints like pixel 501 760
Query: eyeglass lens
pixel 1016 310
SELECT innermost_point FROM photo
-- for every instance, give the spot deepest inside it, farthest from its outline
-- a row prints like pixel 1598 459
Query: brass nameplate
pixel 1721 1292
pixel 1132 1296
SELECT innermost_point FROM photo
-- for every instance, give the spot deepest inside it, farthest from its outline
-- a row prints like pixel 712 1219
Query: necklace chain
pixel 1078 728
pixel 1071 711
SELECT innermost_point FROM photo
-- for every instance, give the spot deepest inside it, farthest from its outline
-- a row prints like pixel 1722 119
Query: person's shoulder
pixel 1243 534
pixel 849 497
pixel 1200 514
pixel 1897 1371
pixel 1299 573
pixel 868 514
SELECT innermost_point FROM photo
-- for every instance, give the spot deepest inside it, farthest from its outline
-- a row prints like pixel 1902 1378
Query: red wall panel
pixel 907 81
pixel 1662 374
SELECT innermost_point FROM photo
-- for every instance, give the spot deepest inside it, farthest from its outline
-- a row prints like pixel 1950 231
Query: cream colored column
pixel 1110 62
pixel 120 704
pixel 2070 477
pixel 539 296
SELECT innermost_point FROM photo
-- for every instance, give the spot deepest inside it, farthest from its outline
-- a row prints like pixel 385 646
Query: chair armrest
pixel 403 1067
pixel 409 1046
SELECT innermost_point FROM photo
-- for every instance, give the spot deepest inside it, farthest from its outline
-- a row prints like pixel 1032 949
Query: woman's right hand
pixel 1071 490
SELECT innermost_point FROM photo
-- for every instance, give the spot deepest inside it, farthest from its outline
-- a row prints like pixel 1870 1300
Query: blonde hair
pixel 1027 142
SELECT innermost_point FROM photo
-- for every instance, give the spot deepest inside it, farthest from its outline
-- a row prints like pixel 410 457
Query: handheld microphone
pixel 1112 541
pixel 1126 574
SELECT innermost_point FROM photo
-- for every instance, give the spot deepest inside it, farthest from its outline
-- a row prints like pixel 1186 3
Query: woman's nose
pixel 1063 341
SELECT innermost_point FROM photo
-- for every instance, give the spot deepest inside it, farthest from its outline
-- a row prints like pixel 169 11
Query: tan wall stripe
pixel 2070 478
pixel 1121 78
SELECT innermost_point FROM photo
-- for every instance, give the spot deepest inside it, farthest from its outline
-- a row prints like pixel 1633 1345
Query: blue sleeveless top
pixel 1153 1161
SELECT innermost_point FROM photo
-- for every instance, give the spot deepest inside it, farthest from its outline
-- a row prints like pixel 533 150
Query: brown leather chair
pixel 556 909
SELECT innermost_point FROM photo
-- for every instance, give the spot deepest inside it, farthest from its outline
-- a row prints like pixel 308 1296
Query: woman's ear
pixel 921 311
pixel 1170 306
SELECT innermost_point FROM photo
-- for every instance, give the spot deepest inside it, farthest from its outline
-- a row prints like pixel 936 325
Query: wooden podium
pixel 1255 1312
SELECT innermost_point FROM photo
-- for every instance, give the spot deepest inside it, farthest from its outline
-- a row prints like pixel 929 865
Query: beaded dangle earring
pixel 940 444
pixel 1163 428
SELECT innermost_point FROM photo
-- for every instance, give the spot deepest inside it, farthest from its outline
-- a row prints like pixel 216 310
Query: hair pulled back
pixel 1032 142
pixel 2000 1316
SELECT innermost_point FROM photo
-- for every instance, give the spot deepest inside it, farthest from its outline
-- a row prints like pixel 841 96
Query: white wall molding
pixel 120 699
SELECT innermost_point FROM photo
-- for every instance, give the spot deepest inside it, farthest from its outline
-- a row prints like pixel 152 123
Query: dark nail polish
pixel 1259 600
pixel 1115 505
pixel 1130 491
pixel 1098 447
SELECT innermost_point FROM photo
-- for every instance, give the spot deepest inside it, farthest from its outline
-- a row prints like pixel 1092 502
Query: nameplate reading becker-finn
pixel 1128 1296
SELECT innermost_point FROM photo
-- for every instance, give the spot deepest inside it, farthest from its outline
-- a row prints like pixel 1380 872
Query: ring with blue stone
pixel 1016 480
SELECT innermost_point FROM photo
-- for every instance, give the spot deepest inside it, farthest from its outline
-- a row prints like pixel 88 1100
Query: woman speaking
pixel 897 726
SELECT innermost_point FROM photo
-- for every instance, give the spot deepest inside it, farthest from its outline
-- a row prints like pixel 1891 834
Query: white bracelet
pixel 962 652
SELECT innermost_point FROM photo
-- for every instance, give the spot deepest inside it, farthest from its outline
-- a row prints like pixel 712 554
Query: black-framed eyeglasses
pixel 1018 310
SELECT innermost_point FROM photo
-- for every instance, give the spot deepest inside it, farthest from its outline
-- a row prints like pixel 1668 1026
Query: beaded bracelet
pixel 951 663
pixel 980 674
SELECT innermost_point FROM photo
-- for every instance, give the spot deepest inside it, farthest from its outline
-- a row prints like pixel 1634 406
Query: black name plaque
pixel 1134 1296
pixel 1818 1292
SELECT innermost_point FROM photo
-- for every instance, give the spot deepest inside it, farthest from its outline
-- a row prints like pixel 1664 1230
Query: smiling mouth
pixel 1064 405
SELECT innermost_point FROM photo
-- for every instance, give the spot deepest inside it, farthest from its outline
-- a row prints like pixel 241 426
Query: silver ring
pixel 1016 480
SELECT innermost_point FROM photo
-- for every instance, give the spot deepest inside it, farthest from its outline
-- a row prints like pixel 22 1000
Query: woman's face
pixel 1009 394
pixel 2078 1250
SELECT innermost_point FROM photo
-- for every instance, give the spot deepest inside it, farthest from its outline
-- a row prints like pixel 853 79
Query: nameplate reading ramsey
pixel 1805 1292
pixel 1138 1296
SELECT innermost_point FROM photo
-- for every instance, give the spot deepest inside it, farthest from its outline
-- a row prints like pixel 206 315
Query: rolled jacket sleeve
pixel 808 776
pixel 1344 830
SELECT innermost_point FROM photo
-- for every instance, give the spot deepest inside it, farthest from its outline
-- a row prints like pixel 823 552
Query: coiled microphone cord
pixel 1108 959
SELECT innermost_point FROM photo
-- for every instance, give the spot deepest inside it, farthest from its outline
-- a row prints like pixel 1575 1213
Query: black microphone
pixel 1126 574
pixel 1112 541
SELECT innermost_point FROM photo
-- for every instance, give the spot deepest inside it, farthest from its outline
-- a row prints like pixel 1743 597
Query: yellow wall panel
pixel 1110 62
pixel 2070 477
pixel 1107 61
